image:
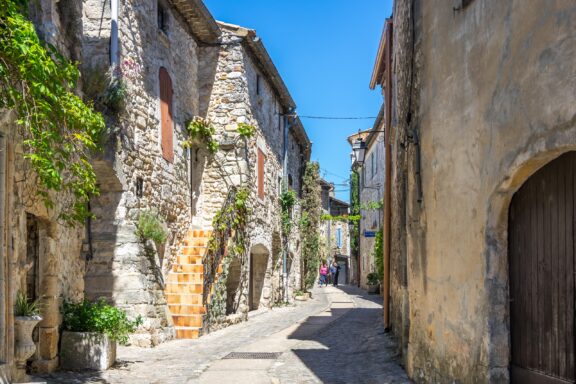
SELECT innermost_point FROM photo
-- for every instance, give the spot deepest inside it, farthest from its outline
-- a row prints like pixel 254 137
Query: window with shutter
pixel 261 161
pixel 167 125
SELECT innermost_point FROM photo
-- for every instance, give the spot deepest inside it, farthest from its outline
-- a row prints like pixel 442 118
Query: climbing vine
pixel 343 218
pixel 201 130
pixel 228 241
pixel 310 224
pixel 59 130
pixel 379 254
pixel 288 200
pixel 354 211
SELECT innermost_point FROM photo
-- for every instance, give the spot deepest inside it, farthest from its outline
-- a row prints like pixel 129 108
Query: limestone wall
pixel 122 269
pixel 493 93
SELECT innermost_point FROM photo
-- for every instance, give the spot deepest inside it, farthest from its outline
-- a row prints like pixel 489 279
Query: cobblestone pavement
pixel 335 338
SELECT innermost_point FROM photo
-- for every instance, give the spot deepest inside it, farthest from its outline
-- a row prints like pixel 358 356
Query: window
pixel 372 165
pixel 166 122
pixel 339 237
pixel 261 161
pixel 162 18
pixel 257 84
pixel 290 182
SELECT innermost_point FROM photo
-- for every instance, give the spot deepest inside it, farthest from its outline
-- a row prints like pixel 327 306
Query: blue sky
pixel 325 51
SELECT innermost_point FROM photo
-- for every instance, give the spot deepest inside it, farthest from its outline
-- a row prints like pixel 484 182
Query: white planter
pixel 24 346
pixel 86 350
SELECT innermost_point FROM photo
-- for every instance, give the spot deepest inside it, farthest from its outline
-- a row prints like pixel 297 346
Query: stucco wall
pixel 494 102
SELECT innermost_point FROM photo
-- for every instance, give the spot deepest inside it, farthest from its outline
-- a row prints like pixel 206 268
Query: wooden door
pixel 541 257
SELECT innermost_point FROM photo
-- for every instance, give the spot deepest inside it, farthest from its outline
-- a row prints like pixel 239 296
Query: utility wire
pixel 336 118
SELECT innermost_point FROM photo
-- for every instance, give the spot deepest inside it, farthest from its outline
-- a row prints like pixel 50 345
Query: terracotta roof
pixel 361 134
pixel 379 65
pixel 201 23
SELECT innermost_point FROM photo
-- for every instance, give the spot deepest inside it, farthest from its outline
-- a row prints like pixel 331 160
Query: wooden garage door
pixel 541 257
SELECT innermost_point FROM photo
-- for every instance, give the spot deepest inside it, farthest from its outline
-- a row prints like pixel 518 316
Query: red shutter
pixel 261 159
pixel 166 115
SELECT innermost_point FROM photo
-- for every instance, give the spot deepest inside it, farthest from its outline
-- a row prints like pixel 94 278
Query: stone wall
pixel 489 93
pixel 122 268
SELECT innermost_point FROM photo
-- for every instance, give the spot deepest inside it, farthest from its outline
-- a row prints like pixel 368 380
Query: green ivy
pixel 288 200
pixel 344 218
pixel 87 316
pixel 311 204
pixel 59 130
pixel 201 130
pixel 354 211
pixel 379 253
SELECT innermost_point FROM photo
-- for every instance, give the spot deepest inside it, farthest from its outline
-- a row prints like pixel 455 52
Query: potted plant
pixel 301 295
pixel 91 331
pixel 373 282
pixel 26 317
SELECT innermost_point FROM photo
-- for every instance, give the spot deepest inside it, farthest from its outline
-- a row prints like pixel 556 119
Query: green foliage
pixel 354 211
pixel 26 307
pixel 373 278
pixel 246 130
pixel 379 253
pixel 372 205
pixel 311 204
pixel 343 218
pixel 87 316
pixel 59 131
pixel 288 199
pixel 201 130
pixel 150 227
pixel 229 235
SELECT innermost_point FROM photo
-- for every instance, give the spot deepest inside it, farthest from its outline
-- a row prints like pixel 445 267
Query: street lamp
pixel 359 150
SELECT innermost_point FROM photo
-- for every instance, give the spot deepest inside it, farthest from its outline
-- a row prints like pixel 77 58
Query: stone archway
pixel 538 152
pixel 259 255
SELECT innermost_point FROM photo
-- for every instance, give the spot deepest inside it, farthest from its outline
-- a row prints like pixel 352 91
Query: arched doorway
pixel 258 263
pixel 542 271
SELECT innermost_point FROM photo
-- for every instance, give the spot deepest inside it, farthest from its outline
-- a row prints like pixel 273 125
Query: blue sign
pixel 369 234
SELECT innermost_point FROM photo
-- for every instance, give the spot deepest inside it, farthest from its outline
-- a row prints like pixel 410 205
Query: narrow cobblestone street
pixel 337 337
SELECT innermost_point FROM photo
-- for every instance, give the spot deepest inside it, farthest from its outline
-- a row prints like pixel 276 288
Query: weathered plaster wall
pixel 371 191
pixel 494 102
pixel 121 269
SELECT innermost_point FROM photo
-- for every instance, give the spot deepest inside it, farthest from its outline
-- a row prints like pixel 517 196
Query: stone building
pixel 335 234
pixel 240 85
pixel 145 168
pixel 371 191
pixel 481 125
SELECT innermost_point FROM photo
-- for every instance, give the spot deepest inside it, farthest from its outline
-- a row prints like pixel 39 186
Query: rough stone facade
pixel 239 90
pixel 135 174
pixel 483 97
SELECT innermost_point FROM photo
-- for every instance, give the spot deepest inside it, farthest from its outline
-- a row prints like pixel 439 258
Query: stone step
pixel 187 332
pixel 198 233
pixel 187 320
pixel 184 299
pixel 183 288
pixel 193 250
pixel 193 278
pixel 196 241
pixel 179 309
pixel 189 259
pixel 188 268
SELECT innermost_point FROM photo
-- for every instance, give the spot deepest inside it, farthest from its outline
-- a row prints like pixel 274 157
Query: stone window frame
pixel 162 17
pixel 260 172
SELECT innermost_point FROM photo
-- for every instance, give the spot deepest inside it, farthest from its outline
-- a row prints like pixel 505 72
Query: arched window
pixel 166 122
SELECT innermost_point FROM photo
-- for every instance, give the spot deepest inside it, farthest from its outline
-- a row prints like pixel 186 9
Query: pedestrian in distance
pixel 323 274
pixel 335 271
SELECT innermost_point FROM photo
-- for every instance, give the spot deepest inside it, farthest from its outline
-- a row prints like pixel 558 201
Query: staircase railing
pixel 217 245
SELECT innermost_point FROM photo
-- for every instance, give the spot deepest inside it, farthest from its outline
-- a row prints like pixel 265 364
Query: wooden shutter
pixel 166 115
pixel 261 160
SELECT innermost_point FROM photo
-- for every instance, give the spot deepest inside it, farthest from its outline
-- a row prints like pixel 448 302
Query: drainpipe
pixel 388 174
pixel 114 34
pixel 285 188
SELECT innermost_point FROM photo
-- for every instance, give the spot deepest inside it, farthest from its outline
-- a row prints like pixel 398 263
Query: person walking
pixel 323 274
pixel 335 271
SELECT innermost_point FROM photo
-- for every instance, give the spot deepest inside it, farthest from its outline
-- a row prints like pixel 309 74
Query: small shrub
pixel 100 317
pixel 373 278
pixel 246 130
pixel 25 307
pixel 201 130
pixel 150 227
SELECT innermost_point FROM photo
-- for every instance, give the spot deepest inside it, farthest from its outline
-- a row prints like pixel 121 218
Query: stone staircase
pixel 184 285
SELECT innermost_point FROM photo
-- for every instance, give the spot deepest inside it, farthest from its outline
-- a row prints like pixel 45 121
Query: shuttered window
pixel 166 122
pixel 261 161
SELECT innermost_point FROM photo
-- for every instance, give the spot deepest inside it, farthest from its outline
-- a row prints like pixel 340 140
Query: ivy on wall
pixel 354 211
pixel 379 254
pixel 59 130
pixel 310 224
